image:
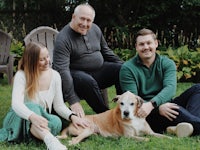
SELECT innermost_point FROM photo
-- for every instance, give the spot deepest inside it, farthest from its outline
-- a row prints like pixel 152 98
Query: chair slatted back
pixel 45 35
pixel 6 59
pixel 5 42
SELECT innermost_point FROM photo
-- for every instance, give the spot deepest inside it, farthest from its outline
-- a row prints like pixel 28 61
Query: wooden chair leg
pixel 105 96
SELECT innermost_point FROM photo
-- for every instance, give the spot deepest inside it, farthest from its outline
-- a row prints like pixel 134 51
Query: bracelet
pixel 70 116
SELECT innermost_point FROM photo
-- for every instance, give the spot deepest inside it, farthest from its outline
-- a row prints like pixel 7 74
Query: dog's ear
pixel 140 101
pixel 116 98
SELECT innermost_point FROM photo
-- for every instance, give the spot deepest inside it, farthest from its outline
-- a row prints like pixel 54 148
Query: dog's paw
pixel 74 141
pixel 71 143
pixel 169 137
pixel 146 139
pixel 61 136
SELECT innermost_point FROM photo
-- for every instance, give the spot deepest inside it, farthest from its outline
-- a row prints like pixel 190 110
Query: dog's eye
pixel 121 103
pixel 132 104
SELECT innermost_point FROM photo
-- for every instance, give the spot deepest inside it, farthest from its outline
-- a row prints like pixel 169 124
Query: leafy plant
pixel 124 54
pixel 187 62
pixel 17 48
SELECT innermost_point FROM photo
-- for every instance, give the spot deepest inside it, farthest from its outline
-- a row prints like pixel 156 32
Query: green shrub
pixel 124 54
pixel 187 63
pixel 17 48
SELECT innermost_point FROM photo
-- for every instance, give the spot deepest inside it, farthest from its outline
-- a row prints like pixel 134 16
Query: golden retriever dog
pixel 119 121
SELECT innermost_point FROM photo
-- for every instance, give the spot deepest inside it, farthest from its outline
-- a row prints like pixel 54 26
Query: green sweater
pixel 156 83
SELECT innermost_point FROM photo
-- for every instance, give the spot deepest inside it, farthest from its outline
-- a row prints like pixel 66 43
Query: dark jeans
pixel 189 102
pixel 88 85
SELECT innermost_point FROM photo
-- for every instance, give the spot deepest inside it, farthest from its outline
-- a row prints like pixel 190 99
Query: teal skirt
pixel 16 129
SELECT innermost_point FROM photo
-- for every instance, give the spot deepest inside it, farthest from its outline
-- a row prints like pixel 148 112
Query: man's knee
pixel 197 87
pixel 86 82
pixel 82 78
pixel 117 66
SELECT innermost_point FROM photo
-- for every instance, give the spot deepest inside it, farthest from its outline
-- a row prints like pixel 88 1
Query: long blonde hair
pixel 29 63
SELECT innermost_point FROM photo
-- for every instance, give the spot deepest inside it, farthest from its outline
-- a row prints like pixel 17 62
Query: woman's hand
pixel 168 110
pixel 39 121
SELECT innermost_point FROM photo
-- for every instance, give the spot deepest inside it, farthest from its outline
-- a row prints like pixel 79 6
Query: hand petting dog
pixel 119 121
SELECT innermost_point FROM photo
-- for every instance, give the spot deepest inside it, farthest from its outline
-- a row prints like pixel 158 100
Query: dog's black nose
pixel 126 113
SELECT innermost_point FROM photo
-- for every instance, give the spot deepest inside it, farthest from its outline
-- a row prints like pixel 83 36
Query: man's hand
pixel 145 110
pixel 168 110
pixel 77 109
pixel 77 121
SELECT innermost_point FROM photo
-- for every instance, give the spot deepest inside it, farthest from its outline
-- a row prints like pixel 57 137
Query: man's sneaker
pixel 54 144
pixel 181 130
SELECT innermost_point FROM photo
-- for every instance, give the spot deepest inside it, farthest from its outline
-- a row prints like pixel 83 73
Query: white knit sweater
pixel 51 97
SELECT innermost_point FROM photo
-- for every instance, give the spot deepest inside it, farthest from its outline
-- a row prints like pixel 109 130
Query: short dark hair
pixel 144 32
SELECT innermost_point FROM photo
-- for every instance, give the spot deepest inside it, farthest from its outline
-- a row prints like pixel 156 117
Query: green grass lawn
pixel 97 142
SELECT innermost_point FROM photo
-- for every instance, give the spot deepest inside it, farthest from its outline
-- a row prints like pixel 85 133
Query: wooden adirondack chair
pixel 6 59
pixel 47 36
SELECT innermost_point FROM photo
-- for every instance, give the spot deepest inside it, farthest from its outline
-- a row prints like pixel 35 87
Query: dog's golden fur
pixel 119 121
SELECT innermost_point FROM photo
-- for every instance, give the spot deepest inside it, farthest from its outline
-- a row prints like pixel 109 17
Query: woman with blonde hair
pixel 36 91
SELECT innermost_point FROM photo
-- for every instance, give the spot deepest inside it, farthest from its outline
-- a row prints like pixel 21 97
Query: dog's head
pixel 128 103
